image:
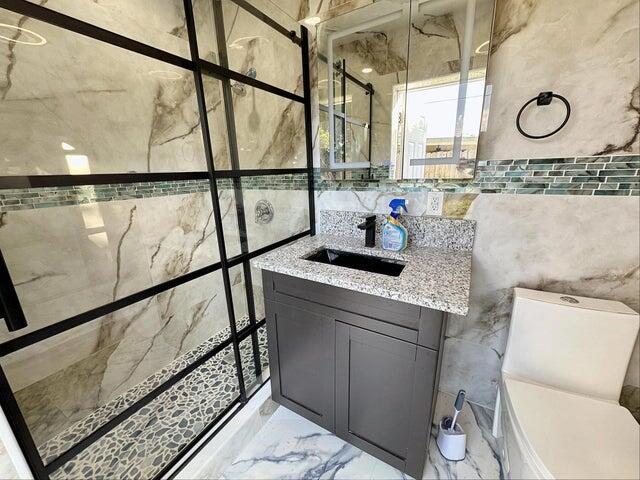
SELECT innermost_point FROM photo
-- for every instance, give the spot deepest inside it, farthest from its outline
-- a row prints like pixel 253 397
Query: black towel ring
pixel 544 98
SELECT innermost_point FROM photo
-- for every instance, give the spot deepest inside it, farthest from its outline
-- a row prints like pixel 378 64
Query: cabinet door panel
pixel 301 353
pixel 383 395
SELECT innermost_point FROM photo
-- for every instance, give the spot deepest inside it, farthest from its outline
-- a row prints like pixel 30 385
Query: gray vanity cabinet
pixel 301 354
pixel 361 366
pixel 384 390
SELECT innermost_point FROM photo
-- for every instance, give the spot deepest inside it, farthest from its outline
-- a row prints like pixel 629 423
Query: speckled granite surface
pixel 433 277
pixel 434 232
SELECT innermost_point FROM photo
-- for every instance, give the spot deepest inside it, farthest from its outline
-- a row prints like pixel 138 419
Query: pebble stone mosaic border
pixel 53 448
pixel 142 445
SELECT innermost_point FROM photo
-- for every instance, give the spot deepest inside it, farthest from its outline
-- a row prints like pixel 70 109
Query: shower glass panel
pixel 253 47
pixel 240 299
pixel 255 359
pixel 73 115
pixel 103 245
pixel 275 208
pixel 113 361
pixel 134 193
pixel 270 130
pixel 357 142
pixel 167 426
pixel 213 92
pixel 258 292
pixel 229 209
pixel 159 23
pixel 357 101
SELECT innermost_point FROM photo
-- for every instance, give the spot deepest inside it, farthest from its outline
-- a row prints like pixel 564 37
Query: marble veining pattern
pixel 94 253
pixel 219 453
pixel 605 36
pixel 432 278
pixel 155 101
pixel 291 447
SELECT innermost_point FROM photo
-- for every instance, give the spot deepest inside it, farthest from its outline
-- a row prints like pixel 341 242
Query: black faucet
pixel 369 225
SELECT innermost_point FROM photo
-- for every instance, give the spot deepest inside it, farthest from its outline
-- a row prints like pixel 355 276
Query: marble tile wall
pixel 532 52
pixel 65 260
pixel 143 111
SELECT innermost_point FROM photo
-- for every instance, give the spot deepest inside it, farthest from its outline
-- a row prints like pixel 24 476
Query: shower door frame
pixel 10 308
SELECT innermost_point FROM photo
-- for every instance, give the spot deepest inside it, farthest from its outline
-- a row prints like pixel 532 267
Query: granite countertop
pixel 433 277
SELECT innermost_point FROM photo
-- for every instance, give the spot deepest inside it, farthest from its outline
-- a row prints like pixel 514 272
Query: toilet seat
pixel 566 435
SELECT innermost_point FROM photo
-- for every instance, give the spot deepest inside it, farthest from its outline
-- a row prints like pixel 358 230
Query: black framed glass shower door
pixel 142 171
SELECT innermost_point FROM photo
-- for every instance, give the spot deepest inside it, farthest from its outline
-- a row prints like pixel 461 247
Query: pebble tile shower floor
pixel 143 444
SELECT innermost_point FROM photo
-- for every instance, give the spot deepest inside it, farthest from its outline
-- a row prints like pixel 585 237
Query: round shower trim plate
pixel 264 212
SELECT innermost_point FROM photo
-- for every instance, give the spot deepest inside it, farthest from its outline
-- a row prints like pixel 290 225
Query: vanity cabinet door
pixel 302 361
pixel 384 392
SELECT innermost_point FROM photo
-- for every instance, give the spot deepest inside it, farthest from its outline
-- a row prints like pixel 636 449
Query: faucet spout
pixel 369 226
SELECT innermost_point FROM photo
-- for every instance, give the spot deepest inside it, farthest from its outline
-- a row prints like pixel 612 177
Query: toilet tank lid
pixel 574 301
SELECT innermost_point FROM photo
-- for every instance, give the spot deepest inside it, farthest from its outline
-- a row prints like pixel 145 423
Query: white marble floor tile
pixel 291 447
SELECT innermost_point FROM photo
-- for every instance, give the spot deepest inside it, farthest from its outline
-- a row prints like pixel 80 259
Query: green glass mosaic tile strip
pixel 30 198
pixel 610 175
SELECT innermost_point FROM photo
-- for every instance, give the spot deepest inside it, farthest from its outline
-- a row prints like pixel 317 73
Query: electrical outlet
pixel 435 201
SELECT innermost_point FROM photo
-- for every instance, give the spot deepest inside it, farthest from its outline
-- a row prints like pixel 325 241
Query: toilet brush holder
pixel 451 443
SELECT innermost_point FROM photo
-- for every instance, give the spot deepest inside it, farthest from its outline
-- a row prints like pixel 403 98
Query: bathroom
pixel 170 169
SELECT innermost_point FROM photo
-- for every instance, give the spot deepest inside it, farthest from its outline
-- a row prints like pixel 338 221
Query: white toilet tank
pixel 577 344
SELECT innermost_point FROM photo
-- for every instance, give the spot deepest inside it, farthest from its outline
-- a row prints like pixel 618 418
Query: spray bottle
pixel 394 235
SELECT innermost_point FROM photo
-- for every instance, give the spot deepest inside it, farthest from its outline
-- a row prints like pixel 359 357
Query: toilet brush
pixel 457 408
pixel 452 441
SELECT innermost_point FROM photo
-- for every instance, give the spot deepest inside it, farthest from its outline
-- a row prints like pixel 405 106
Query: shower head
pixel 238 88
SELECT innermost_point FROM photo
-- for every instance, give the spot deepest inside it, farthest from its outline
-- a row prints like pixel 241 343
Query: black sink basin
pixel 385 266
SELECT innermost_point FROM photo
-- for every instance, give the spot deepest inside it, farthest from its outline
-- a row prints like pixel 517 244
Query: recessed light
pixel 312 21
pixel 481 46
pixel 166 74
pixel 367 70
pixel 67 147
pixel 30 37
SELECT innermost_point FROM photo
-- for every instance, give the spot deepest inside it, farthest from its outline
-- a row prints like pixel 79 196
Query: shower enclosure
pixel 149 151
